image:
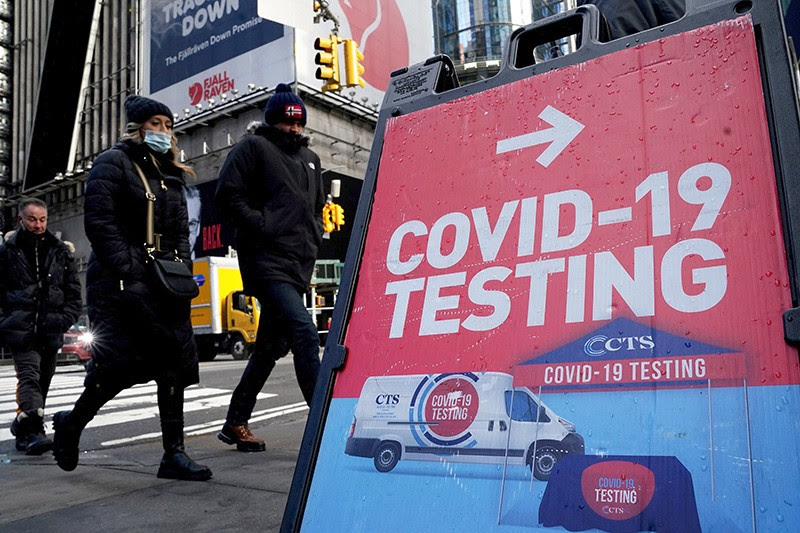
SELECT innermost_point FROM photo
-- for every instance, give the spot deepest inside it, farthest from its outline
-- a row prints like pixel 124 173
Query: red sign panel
pixel 554 267
pixel 638 187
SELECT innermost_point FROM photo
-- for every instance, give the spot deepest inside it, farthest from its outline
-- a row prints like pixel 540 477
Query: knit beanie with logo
pixel 284 106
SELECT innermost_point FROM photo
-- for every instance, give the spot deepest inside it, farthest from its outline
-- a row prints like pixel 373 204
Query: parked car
pixel 77 346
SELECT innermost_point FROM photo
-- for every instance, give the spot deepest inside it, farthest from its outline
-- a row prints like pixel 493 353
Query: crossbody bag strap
pixel 151 202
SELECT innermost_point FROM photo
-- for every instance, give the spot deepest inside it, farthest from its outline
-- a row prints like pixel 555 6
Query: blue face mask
pixel 158 141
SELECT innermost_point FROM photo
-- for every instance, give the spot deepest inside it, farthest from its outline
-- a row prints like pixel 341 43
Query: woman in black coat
pixel 140 333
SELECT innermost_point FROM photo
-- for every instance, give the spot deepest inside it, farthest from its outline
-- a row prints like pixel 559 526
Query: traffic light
pixel 328 59
pixel 352 64
pixel 327 218
pixel 338 215
pixel 332 217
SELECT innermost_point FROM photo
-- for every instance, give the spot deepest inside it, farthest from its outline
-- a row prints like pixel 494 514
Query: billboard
pixel 195 51
pixel 209 233
pixel 392 34
pixel 569 311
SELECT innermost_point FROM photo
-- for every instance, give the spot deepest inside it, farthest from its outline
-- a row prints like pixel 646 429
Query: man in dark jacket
pixel 626 17
pixel 40 297
pixel 270 187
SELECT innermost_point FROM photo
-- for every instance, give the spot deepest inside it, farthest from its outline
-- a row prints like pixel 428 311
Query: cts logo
pixel 387 399
pixel 602 344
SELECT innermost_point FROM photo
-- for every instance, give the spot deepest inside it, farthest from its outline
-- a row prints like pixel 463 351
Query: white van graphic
pixel 473 417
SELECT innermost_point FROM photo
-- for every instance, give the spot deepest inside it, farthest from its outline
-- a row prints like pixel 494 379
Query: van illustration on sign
pixel 470 417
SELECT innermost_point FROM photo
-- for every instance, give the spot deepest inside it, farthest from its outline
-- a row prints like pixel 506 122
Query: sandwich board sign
pixel 572 303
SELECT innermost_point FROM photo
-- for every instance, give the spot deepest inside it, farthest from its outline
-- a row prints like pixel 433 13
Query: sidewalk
pixel 106 493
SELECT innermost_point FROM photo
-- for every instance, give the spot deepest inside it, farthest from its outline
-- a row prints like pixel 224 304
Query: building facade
pixel 6 52
pixel 474 32
pixel 111 64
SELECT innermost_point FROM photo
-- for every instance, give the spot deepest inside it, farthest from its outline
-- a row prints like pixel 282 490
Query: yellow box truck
pixel 224 319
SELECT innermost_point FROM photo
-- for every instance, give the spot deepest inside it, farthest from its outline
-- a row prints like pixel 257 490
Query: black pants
pixel 35 368
pixel 285 324
pixel 96 395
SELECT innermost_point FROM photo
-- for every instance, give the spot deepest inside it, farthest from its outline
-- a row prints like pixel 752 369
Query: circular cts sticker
pixel 617 490
pixel 451 407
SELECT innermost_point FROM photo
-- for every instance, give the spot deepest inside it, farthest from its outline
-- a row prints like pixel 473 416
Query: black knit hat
pixel 284 105
pixel 140 108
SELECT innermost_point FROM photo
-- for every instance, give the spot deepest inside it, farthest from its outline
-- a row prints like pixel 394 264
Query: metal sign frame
pixel 433 82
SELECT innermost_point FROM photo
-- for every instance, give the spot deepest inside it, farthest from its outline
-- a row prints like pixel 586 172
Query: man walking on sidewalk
pixel 270 187
pixel 40 298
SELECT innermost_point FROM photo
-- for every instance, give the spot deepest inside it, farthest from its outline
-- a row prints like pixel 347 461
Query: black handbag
pixel 175 278
pixel 172 277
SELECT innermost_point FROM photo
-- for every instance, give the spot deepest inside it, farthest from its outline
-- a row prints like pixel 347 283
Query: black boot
pixel 38 443
pixel 68 425
pixel 28 430
pixel 66 438
pixel 176 464
pixel 20 430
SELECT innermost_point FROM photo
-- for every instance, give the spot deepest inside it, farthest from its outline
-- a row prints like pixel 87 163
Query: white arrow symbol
pixel 564 130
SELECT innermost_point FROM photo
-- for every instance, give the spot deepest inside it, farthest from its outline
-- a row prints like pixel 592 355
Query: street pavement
pixel 115 487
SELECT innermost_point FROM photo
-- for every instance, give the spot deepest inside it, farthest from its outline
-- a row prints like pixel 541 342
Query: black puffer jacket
pixel 31 309
pixel 271 188
pixel 140 335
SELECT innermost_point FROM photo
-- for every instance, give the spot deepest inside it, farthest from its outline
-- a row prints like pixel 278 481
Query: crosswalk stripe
pixel 8 383
pixel 213 427
pixel 124 399
pixel 133 404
